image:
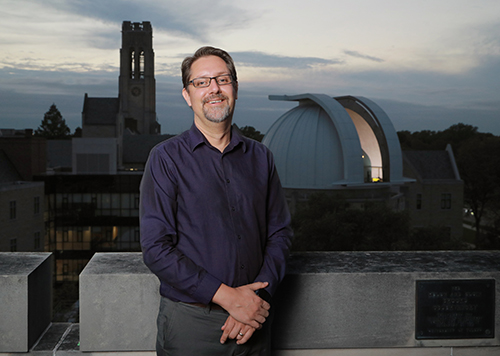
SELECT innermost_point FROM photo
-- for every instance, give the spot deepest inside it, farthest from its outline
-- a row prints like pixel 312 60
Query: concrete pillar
pixel 119 302
pixel 25 299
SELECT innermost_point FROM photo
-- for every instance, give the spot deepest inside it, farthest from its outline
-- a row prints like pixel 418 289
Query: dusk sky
pixel 428 63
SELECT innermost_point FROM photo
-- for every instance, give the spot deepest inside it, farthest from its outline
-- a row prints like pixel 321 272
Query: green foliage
pixel 251 132
pixel 53 125
pixel 327 223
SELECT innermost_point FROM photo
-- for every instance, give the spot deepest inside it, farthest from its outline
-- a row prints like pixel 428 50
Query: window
pixel 65 235
pixel 36 206
pixel 132 64
pixel 13 212
pixel 37 240
pixel 65 204
pixel 13 245
pixel 79 234
pixel 137 236
pixel 141 65
pixel 419 201
pixel 445 201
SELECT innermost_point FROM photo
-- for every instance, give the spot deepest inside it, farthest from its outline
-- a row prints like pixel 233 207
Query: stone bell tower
pixel 137 86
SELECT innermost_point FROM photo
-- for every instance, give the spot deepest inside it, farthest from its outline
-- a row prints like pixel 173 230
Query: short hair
pixel 204 52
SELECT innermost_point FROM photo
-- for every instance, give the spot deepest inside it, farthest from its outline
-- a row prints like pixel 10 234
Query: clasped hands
pixel 247 311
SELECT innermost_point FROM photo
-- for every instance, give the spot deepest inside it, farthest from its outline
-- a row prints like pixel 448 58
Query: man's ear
pixel 236 91
pixel 186 96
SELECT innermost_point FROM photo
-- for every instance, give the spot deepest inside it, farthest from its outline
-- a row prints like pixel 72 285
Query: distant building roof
pixel 432 165
pixel 8 173
pixel 100 111
pixel 136 147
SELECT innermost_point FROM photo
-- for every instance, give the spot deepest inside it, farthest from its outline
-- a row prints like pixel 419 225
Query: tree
pixel 251 132
pixel 478 160
pixel 53 125
pixel 78 132
pixel 326 222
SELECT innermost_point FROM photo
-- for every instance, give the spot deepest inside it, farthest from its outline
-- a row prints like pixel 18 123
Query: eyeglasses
pixel 204 82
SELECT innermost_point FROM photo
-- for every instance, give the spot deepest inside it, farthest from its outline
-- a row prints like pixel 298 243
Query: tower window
pixel 141 65
pixel 132 64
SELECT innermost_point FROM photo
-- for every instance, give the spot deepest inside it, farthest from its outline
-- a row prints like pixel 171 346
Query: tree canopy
pixel 251 132
pixel 53 125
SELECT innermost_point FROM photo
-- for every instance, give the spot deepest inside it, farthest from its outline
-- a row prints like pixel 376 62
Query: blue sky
pixel 429 63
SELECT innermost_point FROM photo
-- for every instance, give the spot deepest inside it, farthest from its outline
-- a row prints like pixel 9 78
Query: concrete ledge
pixel 26 299
pixel 119 302
pixel 328 302
pixel 367 300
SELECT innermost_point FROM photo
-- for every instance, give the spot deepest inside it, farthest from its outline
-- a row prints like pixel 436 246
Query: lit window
pixel 79 234
pixel 132 64
pixel 141 65
pixel 13 212
pixel 445 201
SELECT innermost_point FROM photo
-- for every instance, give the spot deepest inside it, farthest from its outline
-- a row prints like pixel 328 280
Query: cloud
pixel 260 59
pixel 363 56
pixel 189 18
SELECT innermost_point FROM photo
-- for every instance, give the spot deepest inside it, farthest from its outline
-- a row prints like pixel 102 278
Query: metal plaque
pixel 455 309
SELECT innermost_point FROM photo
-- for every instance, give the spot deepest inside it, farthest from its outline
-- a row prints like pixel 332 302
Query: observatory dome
pixel 327 143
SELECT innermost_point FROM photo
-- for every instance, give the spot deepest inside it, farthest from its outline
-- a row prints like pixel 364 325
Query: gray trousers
pixel 185 330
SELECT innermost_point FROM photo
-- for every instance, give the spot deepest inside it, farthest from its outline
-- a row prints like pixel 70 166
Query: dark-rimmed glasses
pixel 203 82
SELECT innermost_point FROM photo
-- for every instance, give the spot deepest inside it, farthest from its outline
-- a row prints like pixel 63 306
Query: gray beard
pixel 216 115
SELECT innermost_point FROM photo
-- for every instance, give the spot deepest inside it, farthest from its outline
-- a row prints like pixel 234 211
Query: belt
pixel 211 306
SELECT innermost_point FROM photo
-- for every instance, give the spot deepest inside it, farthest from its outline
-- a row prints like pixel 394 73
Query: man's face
pixel 214 103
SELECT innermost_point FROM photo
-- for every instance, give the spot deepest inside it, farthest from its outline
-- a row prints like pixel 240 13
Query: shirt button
pixel 242 266
pixel 239 237
pixel 233 208
pixel 228 180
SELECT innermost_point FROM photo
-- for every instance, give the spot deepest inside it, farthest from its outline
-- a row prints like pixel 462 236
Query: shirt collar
pixel 196 138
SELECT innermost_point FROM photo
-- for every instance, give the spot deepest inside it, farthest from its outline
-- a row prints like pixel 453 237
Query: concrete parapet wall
pixel 26 299
pixel 367 300
pixel 328 301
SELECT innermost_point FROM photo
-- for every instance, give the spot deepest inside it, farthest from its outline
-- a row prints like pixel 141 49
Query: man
pixel 214 223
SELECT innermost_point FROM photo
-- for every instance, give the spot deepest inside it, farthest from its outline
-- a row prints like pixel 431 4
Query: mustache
pixel 215 97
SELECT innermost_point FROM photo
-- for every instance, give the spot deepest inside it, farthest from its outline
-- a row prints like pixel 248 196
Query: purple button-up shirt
pixel 209 217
